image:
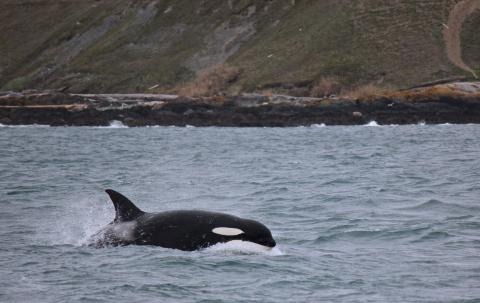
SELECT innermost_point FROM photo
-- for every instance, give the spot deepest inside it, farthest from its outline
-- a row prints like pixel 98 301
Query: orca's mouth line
pixel 244 247
pixel 248 245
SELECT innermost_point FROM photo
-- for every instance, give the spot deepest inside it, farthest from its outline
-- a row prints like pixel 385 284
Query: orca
pixel 186 230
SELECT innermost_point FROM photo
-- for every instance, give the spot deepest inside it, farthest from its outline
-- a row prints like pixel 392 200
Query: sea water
pixel 360 214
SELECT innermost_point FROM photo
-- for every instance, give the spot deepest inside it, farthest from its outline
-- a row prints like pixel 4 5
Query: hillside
pixel 127 46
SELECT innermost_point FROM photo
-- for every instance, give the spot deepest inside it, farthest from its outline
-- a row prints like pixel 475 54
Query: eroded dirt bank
pixel 452 32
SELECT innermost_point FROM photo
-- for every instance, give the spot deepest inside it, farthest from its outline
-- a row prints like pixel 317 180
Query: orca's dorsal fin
pixel 125 210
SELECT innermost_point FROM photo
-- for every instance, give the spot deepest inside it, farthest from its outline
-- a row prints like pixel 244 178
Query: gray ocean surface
pixel 360 214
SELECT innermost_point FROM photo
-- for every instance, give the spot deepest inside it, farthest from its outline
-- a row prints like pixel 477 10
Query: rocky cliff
pixel 160 45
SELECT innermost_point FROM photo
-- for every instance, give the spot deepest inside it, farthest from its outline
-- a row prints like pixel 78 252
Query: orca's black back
pixel 186 229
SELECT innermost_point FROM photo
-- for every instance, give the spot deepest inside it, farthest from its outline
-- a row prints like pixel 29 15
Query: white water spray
pixel 78 220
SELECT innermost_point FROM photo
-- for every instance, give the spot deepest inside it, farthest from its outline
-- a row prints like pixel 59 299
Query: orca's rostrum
pixel 180 229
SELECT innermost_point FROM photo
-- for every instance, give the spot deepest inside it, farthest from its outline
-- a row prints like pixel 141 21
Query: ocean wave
pixel 117 124
pixel 372 123
pixel 375 234
pixel 113 124
pixel 346 235
pixel 434 235
pixel 437 205
pixel 25 125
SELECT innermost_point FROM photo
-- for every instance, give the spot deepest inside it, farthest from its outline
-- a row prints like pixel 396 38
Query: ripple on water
pixel 435 235
pixel 434 205
pixel 376 214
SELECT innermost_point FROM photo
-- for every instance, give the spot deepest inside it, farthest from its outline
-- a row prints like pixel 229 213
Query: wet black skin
pixel 181 229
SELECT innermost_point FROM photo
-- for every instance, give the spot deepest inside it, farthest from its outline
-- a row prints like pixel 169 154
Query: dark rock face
pixel 58 109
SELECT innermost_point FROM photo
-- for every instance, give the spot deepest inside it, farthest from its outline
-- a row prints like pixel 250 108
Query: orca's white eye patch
pixel 227 231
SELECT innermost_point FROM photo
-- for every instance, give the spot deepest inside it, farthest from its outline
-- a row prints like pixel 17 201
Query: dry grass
pixel 267 92
pixel 325 87
pixel 366 92
pixel 211 82
pixel 429 92
pixel 440 90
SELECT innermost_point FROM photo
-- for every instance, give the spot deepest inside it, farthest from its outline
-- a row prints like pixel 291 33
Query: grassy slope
pixel 128 46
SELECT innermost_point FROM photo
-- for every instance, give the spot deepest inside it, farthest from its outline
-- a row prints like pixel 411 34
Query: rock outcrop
pixel 448 103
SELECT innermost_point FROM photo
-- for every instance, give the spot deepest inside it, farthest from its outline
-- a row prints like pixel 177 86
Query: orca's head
pixel 247 230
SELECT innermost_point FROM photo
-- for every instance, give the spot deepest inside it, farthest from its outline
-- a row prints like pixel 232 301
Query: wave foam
pixel 113 124
pixel 25 125
pixel 372 123
pixel 117 124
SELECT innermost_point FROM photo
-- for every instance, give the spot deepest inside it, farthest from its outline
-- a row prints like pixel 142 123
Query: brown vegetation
pixel 428 93
pixel 325 87
pixel 366 92
pixel 267 92
pixel 328 86
pixel 213 81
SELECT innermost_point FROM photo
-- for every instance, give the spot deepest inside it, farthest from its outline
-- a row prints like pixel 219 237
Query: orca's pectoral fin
pixel 125 210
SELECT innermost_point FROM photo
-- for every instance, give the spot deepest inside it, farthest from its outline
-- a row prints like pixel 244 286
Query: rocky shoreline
pixel 451 103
